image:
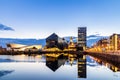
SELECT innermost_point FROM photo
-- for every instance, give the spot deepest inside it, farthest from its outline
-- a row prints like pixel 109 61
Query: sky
pixel 40 18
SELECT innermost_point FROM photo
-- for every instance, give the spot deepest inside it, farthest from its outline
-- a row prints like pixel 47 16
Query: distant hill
pixel 90 40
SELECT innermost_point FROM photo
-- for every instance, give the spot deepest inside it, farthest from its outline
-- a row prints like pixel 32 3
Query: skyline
pixel 40 18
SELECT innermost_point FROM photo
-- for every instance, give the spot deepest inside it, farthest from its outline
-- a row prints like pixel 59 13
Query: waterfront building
pixel 103 42
pixel 54 41
pixel 21 47
pixel 115 42
pixel 107 45
pixel 82 38
pixel 2 49
pixel 102 45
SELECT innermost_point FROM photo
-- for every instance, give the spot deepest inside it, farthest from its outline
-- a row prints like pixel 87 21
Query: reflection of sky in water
pixel 5 72
pixel 22 58
pixel 36 69
pixel 101 73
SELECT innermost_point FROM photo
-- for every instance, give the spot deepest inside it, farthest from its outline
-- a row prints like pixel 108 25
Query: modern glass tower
pixel 82 38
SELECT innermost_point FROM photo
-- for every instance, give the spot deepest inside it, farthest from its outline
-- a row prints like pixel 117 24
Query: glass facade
pixel 82 37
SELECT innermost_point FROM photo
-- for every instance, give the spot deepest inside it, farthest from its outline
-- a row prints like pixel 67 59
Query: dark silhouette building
pixel 55 41
pixel 81 38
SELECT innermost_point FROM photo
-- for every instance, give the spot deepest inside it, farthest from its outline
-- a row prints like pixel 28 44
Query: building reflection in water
pixel 54 62
pixel 81 66
pixel 114 66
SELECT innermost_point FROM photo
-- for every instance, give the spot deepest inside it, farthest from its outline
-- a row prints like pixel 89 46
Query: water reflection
pixel 81 66
pixel 114 66
pixel 56 66
pixel 5 72
pixel 54 62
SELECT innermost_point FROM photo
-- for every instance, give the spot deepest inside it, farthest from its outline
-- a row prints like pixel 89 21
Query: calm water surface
pixel 56 67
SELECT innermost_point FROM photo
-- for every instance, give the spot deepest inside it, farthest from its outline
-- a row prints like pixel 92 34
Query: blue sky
pixel 40 18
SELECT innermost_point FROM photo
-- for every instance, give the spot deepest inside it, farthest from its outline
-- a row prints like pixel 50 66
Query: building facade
pixel 82 38
pixel 21 47
pixel 115 41
pixel 55 41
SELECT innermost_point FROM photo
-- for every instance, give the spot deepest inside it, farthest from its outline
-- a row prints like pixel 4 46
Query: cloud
pixel 5 28
pixel 92 36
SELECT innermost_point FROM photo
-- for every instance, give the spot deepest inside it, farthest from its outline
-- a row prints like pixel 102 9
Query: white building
pixel 21 47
